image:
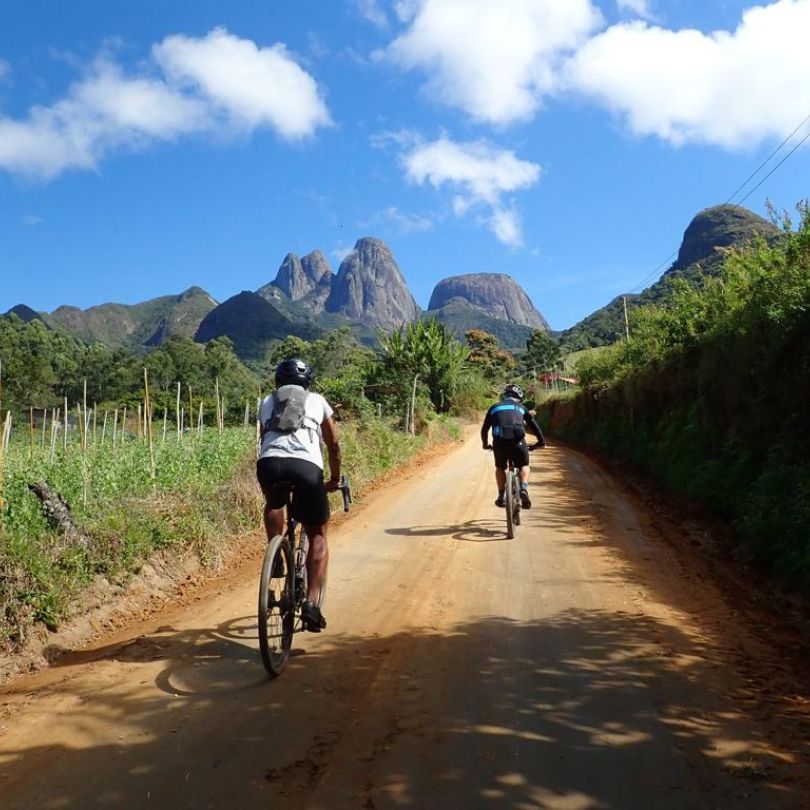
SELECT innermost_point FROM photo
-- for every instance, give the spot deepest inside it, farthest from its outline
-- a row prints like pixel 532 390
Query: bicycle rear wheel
pixel 276 606
pixel 509 496
pixel 516 499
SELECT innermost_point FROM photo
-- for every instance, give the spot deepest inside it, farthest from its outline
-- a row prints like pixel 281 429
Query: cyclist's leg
pixel 500 452
pixel 520 458
pixel 273 521
pixel 267 474
pixel 317 559
pixel 310 506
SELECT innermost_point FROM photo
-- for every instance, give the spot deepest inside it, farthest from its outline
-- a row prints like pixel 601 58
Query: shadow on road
pixel 472 531
pixel 585 710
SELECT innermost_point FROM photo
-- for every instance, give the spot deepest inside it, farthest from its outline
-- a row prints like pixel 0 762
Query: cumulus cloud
pixel 252 86
pixel 495 61
pixel 726 88
pixel 202 85
pixel 480 175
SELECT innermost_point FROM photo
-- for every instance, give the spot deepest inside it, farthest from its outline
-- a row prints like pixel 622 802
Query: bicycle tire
pixel 509 497
pixel 276 608
pixel 516 499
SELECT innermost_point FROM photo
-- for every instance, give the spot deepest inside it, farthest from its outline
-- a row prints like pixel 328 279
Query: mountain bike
pixel 283 587
pixel 511 496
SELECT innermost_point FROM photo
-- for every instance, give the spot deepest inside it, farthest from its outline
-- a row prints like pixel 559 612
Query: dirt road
pixel 585 664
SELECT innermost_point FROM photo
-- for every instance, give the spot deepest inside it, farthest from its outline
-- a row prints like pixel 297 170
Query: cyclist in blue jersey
pixel 509 420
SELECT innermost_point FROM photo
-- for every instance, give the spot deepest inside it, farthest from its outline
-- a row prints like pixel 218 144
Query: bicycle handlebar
pixel 346 491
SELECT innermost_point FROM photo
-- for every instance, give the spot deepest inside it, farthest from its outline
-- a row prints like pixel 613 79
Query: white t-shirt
pixel 304 443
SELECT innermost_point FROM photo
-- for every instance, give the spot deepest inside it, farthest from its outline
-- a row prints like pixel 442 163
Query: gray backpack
pixel 289 406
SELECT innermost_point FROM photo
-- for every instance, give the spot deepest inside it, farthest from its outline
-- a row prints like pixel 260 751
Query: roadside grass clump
pixel 711 395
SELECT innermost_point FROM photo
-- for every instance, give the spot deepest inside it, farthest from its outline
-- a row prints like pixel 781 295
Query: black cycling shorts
pixel 310 504
pixel 517 451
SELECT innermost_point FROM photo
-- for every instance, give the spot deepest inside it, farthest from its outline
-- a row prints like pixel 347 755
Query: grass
pixel 203 492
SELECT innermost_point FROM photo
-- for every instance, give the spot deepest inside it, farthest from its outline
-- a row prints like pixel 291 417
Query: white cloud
pixel 252 86
pixel 728 88
pixel 30 220
pixel 480 174
pixel 399 221
pixel 641 8
pixel 208 84
pixel 494 60
pixel 372 11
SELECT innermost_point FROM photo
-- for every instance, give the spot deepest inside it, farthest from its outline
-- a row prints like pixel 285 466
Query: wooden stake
pixel 178 423
pixel 218 410
pixel 84 417
pixel 165 420
pixel 6 426
pixel 104 429
pixel 148 414
pixel 115 430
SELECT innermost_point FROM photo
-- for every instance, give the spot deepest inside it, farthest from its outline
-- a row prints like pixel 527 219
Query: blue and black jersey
pixel 509 421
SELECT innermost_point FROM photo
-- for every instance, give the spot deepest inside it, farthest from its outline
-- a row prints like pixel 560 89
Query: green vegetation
pixel 123 514
pixel 712 392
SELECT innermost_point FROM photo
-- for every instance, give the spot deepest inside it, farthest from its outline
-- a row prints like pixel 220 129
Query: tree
pixel 426 348
pixel 487 356
pixel 542 351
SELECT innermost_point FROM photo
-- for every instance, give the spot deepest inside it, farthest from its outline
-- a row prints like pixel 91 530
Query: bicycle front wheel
pixel 276 606
pixel 509 496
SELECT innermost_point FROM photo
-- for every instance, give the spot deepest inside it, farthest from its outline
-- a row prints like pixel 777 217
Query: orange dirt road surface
pixel 587 664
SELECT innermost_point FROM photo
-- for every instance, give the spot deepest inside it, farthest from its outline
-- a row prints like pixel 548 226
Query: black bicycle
pixel 283 587
pixel 511 496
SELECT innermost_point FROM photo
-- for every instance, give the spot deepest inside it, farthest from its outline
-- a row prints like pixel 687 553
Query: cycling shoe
pixel 312 618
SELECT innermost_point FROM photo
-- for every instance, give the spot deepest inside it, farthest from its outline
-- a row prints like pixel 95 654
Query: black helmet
pixel 513 391
pixel 293 371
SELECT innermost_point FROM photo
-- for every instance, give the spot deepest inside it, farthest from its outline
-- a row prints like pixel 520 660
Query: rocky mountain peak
pixel 718 227
pixel 298 277
pixel 496 294
pixel 369 287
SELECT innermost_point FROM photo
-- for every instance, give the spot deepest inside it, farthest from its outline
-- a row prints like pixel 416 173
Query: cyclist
pixel 509 420
pixel 293 421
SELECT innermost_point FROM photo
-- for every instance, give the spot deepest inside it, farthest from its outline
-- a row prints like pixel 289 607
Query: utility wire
pixel 774 168
pixel 761 166
pixel 764 163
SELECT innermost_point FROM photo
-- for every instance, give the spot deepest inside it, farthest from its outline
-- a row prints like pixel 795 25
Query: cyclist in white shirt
pixel 293 422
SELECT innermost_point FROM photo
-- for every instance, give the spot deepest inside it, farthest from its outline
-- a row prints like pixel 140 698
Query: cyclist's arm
pixel 533 427
pixel 485 429
pixel 329 432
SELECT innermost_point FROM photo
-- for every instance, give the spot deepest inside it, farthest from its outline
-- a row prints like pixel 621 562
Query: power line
pixel 764 163
pixel 775 168
pixel 761 166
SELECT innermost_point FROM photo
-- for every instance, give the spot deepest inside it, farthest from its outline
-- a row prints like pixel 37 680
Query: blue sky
pixel 149 145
